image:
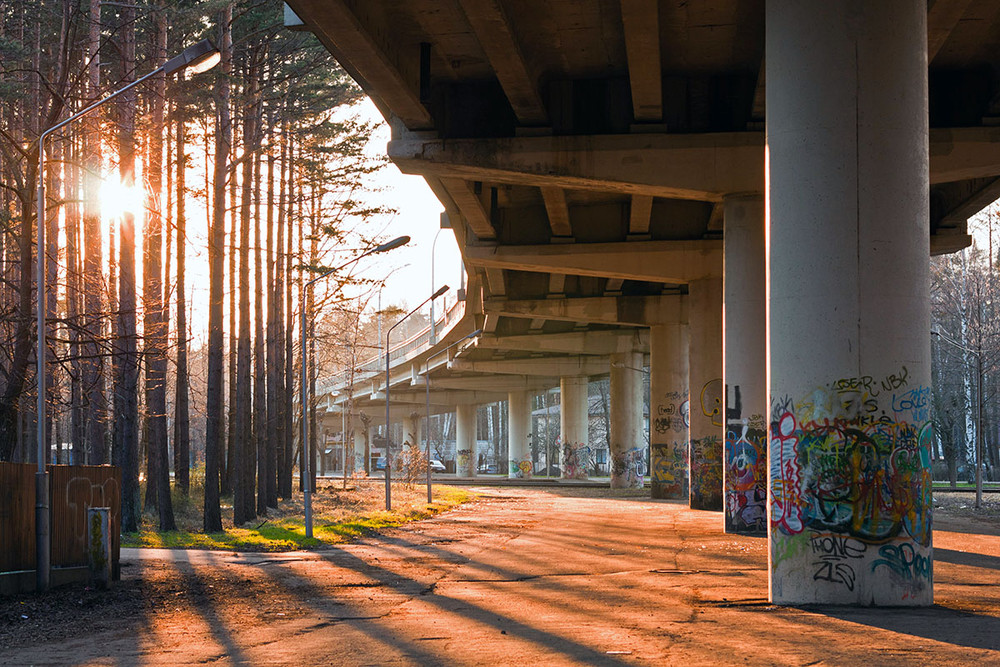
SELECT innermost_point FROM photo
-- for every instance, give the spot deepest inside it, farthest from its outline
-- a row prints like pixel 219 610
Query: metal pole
pixel 304 449
pixel 42 545
pixel 979 425
pixel 427 434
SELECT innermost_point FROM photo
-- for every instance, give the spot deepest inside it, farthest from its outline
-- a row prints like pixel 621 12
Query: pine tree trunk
pixel 214 431
pixel 127 377
pixel 182 433
pixel 272 345
pixel 284 477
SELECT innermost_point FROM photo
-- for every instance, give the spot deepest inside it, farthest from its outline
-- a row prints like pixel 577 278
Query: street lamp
pixel 427 384
pixel 388 444
pixel 197 58
pixel 304 449
pixel 977 353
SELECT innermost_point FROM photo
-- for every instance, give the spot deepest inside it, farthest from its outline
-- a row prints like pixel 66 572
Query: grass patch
pixel 339 515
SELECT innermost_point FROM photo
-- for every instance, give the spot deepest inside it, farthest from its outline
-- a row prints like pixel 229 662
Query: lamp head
pixel 441 290
pixel 198 58
pixel 395 243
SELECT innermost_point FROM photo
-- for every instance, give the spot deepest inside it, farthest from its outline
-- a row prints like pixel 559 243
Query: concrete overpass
pixel 612 168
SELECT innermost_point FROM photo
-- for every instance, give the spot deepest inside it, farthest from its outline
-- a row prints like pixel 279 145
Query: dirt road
pixel 521 576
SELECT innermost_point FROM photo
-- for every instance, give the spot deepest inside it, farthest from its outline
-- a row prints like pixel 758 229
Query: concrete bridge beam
pixel 847 118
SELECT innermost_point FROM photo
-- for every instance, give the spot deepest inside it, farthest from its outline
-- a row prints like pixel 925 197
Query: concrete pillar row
pixel 574 421
pixel 848 307
pixel 626 441
pixel 519 462
pixel 466 453
pixel 705 394
pixel 668 411
pixel 744 371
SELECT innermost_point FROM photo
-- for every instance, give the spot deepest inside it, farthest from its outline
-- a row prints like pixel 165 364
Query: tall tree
pixel 182 420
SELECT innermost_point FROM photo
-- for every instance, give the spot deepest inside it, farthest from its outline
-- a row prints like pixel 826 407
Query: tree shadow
pixel 966 558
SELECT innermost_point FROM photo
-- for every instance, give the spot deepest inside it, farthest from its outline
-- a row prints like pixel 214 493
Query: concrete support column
pixel 628 447
pixel 705 392
pixel 574 422
pixel 465 441
pixel 519 463
pixel 849 350
pixel 359 447
pixel 411 430
pixel 744 371
pixel 668 411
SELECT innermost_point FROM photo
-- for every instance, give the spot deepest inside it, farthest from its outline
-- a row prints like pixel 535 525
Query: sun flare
pixel 118 199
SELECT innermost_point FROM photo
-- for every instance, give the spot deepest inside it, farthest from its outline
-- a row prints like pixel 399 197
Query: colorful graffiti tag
pixel 746 478
pixel 463 461
pixel 627 467
pixel 519 469
pixel 668 470
pixel 850 466
pixel 706 473
pixel 575 460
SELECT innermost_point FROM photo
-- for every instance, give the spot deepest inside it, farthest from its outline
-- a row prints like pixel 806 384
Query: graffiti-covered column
pixel 359 440
pixel 574 447
pixel 705 392
pixel 744 366
pixel 465 440
pixel 519 462
pixel 668 407
pixel 849 350
pixel 626 441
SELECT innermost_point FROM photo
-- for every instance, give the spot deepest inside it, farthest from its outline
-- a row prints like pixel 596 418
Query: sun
pixel 118 199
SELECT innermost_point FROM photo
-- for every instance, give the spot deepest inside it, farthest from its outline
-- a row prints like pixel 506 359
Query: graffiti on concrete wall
pixel 850 467
pixel 463 460
pixel 668 470
pixel 746 477
pixel 520 469
pixel 711 401
pixel 627 467
pixel 672 414
pixel 575 459
pixel 706 473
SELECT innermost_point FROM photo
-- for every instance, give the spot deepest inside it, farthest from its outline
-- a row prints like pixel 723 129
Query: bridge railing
pixel 399 352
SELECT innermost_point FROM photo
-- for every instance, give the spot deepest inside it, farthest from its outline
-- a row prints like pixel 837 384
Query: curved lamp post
pixel 196 58
pixel 388 443
pixel 427 385
pixel 304 399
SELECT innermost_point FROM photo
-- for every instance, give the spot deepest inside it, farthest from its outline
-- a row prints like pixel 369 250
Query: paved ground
pixel 522 576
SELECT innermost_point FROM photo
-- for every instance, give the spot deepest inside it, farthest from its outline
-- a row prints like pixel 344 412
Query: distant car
pixel 437 466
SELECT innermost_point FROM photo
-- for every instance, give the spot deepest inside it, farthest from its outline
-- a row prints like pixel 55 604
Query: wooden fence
pixel 72 491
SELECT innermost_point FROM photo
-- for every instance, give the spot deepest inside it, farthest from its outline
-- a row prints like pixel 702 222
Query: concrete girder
pixel 639 215
pixel 681 166
pixel 558 366
pixel 652 261
pixel 446 397
pixel 495 34
pixel 641 24
pixel 558 212
pixel 507 383
pixel 373 63
pixel 625 310
pixel 470 205
pixel 942 17
pixel 705 167
pixel 594 342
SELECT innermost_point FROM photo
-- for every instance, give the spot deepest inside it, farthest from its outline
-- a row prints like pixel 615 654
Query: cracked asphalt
pixel 519 576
